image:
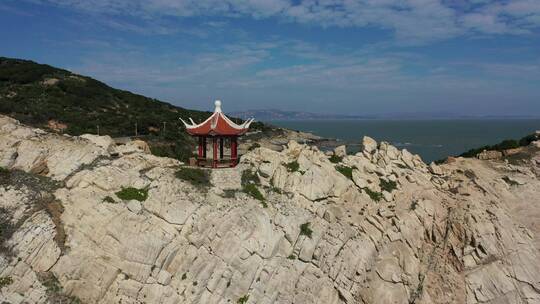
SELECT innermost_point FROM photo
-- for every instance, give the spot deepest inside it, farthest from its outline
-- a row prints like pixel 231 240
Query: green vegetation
pixel 36 94
pixel 335 159
pixel 108 199
pixel 184 276
pixel 197 177
pixel 413 206
pixel 54 290
pixel 5 281
pixel 131 193
pixel 503 145
pixel 6 228
pixel 243 300
pixel 305 230
pixel 291 257
pixel 376 196
pixel 254 146
pixel 292 166
pixel 388 185
pixel 250 177
pixel 229 193
pixel 345 170
pixel 253 191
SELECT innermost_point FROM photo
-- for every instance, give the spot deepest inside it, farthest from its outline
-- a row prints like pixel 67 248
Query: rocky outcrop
pixel 379 226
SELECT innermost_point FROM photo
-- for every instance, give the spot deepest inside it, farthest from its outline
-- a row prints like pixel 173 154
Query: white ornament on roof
pixel 217 111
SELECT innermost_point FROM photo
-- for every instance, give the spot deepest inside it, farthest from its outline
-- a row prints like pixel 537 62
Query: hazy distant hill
pixel 274 114
pixel 47 97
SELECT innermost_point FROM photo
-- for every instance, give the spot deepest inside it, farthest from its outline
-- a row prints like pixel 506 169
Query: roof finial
pixel 217 103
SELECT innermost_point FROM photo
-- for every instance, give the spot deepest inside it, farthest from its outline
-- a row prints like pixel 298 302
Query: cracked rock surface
pixel 380 226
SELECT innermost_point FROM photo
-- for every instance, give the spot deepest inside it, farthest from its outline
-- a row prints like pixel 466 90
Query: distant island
pixel 276 114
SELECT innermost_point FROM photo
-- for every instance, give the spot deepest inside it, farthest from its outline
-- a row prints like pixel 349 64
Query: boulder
pixel 340 151
pixel 369 145
pixel 134 206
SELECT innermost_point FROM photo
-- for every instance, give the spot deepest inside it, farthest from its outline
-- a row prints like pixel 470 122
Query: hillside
pixel 58 100
pixel 85 221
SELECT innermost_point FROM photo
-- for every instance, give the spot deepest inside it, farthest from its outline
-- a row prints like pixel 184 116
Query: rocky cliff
pixel 83 220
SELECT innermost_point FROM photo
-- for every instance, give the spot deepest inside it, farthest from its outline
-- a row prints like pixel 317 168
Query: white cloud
pixel 412 21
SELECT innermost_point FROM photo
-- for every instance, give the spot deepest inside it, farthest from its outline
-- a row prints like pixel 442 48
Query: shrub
pixel 254 146
pixel 305 230
pixel 346 171
pixel 131 193
pixel 388 185
pixel 254 192
pixel 291 257
pixel 243 300
pixel 292 166
pixel 108 199
pixel 335 159
pixel 229 193
pixel 197 177
pixel 5 281
pixel 249 177
pixel 376 196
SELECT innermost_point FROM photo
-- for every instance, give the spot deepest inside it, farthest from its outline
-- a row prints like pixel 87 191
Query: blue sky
pixel 478 57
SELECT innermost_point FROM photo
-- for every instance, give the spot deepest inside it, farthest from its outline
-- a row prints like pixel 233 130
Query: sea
pixel 431 139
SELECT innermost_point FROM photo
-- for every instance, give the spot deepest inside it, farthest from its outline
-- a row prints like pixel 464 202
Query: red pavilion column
pixel 200 155
pixel 214 160
pixel 234 152
pixel 221 148
pixel 204 147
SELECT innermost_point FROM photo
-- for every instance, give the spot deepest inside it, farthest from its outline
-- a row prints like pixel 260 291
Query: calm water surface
pixel 431 139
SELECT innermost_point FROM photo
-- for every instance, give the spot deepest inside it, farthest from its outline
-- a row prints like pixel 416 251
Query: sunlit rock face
pixel 379 226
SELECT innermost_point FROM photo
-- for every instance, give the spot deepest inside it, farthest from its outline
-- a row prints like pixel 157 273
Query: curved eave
pixel 218 125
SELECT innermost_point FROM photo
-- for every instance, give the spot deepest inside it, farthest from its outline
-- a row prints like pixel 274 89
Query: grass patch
pixel 292 166
pixel 388 185
pixel 108 199
pixel 253 191
pixel 54 290
pixel 376 196
pixel 243 300
pixel 346 171
pixel 229 193
pixel 131 193
pixel 5 281
pixel 197 177
pixel 335 159
pixel 250 177
pixel 305 230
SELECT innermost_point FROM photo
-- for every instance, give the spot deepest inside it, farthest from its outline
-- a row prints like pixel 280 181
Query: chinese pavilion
pixel 219 128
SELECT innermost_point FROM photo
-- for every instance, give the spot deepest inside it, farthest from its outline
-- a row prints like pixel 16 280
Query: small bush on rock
pixel 243 300
pixel 376 196
pixel 292 166
pixel 5 281
pixel 346 171
pixel 249 177
pixel 254 146
pixel 335 159
pixel 197 177
pixel 305 230
pixel 131 193
pixel 254 192
pixel 108 199
pixel 388 185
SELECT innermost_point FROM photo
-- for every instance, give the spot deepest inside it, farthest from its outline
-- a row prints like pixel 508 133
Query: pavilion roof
pixel 217 124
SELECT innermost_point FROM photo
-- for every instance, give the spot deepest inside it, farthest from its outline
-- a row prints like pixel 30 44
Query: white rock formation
pixel 379 227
